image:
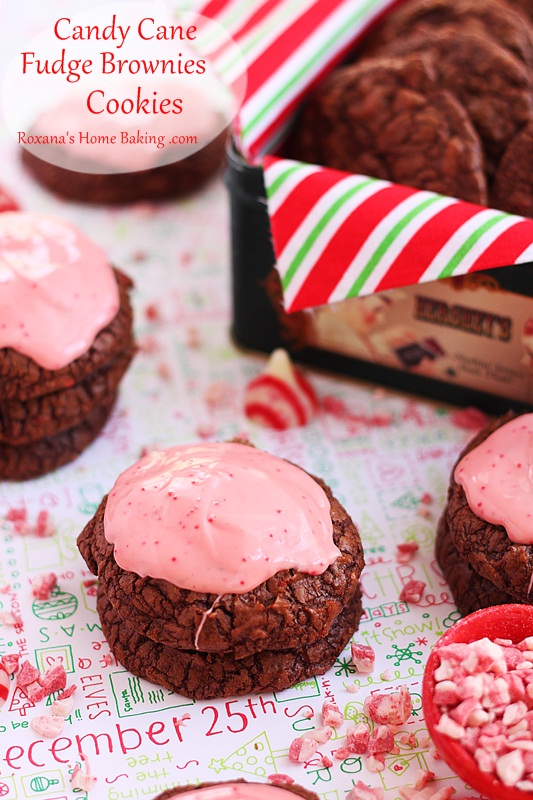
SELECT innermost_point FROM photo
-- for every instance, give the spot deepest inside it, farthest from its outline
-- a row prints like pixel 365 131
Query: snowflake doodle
pixel 344 666
pixel 405 654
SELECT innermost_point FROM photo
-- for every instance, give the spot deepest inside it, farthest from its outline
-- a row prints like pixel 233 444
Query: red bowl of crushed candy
pixel 477 695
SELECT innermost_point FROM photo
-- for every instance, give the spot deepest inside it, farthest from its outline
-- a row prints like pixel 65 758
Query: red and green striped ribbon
pixel 338 235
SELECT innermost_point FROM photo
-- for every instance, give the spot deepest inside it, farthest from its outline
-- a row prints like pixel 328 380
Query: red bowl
pixel 513 622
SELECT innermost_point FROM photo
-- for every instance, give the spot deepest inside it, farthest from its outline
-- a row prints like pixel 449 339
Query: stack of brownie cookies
pixel 65 342
pixel 440 98
pixel 224 570
pixel 484 542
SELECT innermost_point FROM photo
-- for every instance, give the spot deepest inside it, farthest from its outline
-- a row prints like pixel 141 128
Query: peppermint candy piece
pixel 280 397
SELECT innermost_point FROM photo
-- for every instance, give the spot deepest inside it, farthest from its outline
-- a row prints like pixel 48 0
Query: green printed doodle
pixel 256 757
pixel 43 783
pixel 48 656
pixel 404 654
pixel 300 691
pixel 60 606
pixel 386 610
pixel 134 696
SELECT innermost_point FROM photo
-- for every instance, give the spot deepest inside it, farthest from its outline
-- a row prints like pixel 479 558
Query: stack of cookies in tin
pixel 439 98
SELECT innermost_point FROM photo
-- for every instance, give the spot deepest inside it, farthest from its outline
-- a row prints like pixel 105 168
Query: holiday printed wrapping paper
pixel 382 454
pixel 337 236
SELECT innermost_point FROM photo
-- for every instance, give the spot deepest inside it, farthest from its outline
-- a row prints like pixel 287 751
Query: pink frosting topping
pixel 218 517
pixel 57 289
pixel 237 791
pixel 497 477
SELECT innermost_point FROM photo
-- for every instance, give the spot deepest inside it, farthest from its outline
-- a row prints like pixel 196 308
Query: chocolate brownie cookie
pixel 489 19
pixel 65 342
pixel 24 462
pixel 160 183
pixel 289 609
pixel 512 189
pixel 22 378
pixel 470 591
pixel 243 790
pixel 506 563
pixel 48 414
pixel 201 676
pixel 389 119
pixel 490 83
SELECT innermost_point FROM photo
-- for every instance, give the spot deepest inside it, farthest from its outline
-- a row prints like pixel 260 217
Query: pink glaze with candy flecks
pixel 57 289
pixel 497 477
pixel 237 791
pixel 218 517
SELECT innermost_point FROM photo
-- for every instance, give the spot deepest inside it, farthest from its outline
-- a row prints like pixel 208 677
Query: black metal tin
pixel 256 324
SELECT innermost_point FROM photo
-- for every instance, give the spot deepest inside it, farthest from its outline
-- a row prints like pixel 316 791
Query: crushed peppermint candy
pixel 405 552
pixel 10 619
pixel 10 662
pixel 43 585
pixel 19 517
pixel 412 591
pixel 331 714
pixel 82 779
pixel 28 674
pixel 363 657
pixel 484 692
pixel 470 418
pixel 360 791
pixel 320 735
pixel 67 692
pixel 54 679
pixel 301 749
pixel 389 709
pixel 47 725
pixel 279 778
pixel 62 708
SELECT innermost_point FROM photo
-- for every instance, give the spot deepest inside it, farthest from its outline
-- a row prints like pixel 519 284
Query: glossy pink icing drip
pixel 57 289
pixel 237 791
pixel 218 517
pixel 497 477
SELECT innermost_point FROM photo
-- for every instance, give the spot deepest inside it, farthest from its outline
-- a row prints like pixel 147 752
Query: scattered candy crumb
pixel 279 778
pixel 363 657
pixel 331 714
pixel 152 312
pixel 10 662
pixel 47 725
pixel 412 591
pixel 389 709
pixel 164 371
pixel 10 619
pixel 206 430
pixel 338 409
pixel 470 418
pixel 217 395
pixel 82 779
pixel 301 749
pixel 43 585
pixel 19 518
pixel 360 791
pixel 405 552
